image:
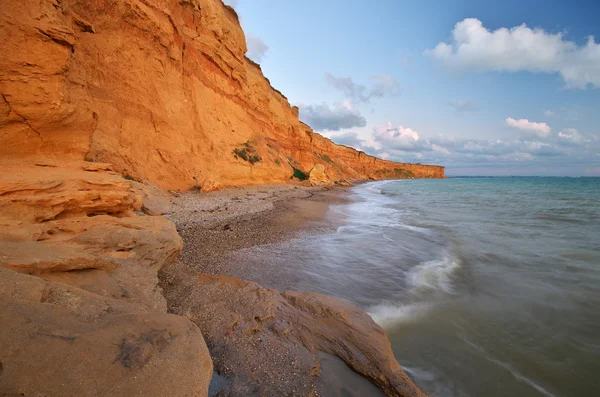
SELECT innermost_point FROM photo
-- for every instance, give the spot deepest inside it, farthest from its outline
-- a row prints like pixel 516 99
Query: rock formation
pixel 80 309
pixel 317 176
pixel 96 95
pixel 259 329
pixel 162 90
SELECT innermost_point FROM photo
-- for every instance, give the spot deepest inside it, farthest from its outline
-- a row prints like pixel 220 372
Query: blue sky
pixel 481 87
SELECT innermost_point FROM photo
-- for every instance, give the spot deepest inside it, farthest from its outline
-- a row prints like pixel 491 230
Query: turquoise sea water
pixel 500 284
pixel 487 287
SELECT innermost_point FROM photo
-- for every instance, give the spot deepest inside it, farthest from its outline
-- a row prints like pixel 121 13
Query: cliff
pixel 95 94
pixel 160 89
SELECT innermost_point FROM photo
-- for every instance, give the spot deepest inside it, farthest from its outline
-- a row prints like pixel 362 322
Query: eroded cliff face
pixel 160 89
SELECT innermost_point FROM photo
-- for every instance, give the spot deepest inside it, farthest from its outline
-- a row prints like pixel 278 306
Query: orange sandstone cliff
pixel 162 90
pixel 159 91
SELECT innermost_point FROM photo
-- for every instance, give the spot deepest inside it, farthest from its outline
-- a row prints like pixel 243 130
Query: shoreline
pixel 216 226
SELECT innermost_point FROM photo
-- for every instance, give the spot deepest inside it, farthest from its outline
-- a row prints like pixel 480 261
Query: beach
pixel 497 274
pixel 281 350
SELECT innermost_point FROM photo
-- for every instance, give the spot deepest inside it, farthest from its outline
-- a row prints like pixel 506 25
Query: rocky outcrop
pixel 80 308
pixel 268 343
pixel 95 95
pixel 159 88
pixel 58 340
pixel 317 176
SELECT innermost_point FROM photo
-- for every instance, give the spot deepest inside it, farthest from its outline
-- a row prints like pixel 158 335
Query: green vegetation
pixel 247 153
pixel 277 162
pixel 89 159
pixel 129 178
pixel 399 173
pixel 299 174
pixel 402 173
pixel 327 158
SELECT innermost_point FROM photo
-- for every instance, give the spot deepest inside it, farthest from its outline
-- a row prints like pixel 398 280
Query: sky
pixel 481 87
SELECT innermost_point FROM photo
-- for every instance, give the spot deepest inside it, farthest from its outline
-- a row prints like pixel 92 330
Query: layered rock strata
pixel 161 89
pixel 80 308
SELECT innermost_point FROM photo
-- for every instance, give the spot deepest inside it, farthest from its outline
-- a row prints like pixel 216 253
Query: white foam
pixel 434 275
pixel 389 315
pixel 376 186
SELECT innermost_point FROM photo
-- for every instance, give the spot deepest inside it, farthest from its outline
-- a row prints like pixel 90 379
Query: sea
pixel 486 287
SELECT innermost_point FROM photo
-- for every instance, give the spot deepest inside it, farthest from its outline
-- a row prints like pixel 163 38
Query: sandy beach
pixel 215 225
pixel 280 351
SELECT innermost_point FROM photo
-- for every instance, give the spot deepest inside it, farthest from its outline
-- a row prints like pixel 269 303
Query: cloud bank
pixel 381 85
pixel 331 118
pixel 553 152
pixel 474 47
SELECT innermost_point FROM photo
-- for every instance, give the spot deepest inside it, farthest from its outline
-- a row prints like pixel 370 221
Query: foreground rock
pixel 58 340
pixel 80 309
pixel 268 343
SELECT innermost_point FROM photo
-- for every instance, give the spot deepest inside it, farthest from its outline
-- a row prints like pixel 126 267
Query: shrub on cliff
pixel 403 173
pixel 247 153
pixel 299 174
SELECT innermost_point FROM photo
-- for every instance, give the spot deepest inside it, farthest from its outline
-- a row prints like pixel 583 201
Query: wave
pixel 388 315
pixel 432 276
pixel 437 275
pixel 376 187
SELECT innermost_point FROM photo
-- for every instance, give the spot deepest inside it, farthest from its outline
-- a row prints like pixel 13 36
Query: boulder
pixel 80 308
pixel 57 340
pixel 317 176
pixel 283 333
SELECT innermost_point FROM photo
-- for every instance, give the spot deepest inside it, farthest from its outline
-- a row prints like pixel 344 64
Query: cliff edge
pixel 95 94
pixel 160 89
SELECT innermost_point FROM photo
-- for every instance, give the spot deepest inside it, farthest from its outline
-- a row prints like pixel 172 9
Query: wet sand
pixel 217 227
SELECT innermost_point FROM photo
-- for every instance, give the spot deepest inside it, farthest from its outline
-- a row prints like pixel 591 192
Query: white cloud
pixel 331 118
pixel 348 139
pixel 531 127
pixel 570 133
pixel 381 85
pixel 572 137
pixel 256 48
pixel 520 48
pixel 384 85
pixel 399 138
pixel 569 148
pixel 440 149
